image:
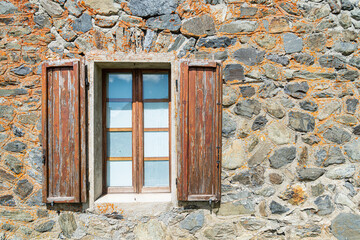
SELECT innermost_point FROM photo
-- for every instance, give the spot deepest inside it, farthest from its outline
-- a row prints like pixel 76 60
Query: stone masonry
pixel 291 146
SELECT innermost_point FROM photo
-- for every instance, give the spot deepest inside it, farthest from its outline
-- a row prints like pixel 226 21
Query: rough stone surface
pixel 275 109
pixel 52 8
pixel 278 59
pixel 259 123
pixel 171 22
pixel 310 174
pixel 234 72
pixel 21 71
pixel 24 188
pixel 247 91
pixel 279 133
pixel 309 105
pixel 83 23
pixel 7 7
pixel 198 26
pixel 249 56
pixel 352 150
pixel 346 226
pixel 67 224
pixel 297 90
pixel 248 108
pixel 193 222
pixel 304 58
pixel 282 157
pixel 234 157
pixel 324 205
pixel 239 26
pixel 228 126
pixel 292 43
pixel 337 135
pixel 14 164
pixel 7 200
pixel 277 208
pixel 301 122
pixel 45 227
pixel 107 7
pixel 150 8
pixel 15 146
pixel 344 171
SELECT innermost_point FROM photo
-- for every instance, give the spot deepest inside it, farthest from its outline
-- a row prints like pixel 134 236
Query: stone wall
pixel 290 120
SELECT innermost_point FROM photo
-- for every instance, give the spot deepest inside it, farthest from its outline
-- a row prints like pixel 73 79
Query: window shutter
pixel 199 165
pixel 63 131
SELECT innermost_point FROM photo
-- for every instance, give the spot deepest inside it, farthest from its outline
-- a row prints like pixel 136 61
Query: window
pixel 136 114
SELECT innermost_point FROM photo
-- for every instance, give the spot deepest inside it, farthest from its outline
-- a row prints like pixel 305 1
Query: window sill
pixel 134 204
pixel 134 198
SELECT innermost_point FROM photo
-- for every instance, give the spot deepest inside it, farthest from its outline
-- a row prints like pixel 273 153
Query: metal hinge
pixel 43 157
pixel 87 185
pixel 218 155
pixel 87 83
pixel 177 85
pixel 176 181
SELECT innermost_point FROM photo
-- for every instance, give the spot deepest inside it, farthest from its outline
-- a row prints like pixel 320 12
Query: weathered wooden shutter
pixel 63 131
pixel 199 165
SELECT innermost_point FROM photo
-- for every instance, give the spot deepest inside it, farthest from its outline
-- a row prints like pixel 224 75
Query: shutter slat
pixel 198 173
pixel 64 132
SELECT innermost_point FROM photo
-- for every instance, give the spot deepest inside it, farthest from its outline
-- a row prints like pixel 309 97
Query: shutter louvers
pixel 199 165
pixel 63 131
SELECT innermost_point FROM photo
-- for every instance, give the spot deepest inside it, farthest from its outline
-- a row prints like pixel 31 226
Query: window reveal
pixel 136 112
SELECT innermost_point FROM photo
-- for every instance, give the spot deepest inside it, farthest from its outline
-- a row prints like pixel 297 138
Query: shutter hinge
pixel 176 181
pixel 218 104
pixel 218 157
pixel 87 185
pixel 177 85
pixel 43 157
pixel 87 83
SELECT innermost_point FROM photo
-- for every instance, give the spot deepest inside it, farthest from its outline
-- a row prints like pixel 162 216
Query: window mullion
pixel 135 133
pixel 141 131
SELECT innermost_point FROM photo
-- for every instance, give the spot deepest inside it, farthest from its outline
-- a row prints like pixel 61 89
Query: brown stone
pixel 275 178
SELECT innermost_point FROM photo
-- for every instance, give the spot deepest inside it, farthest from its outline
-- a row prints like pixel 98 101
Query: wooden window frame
pixel 137 130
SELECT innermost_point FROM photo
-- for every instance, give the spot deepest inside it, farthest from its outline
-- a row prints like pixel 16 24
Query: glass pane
pixel 156 115
pixel 156 174
pixel 119 85
pixel 119 144
pixel 156 144
pixel 119 173
pixel 119 114
pixel 155 86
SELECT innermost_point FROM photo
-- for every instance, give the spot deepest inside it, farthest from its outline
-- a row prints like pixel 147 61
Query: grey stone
pixel 12 92
pixel 351 188
pixel 23 188
pixel 356 130
pixel 345 48
pixel 345 20
pixel 193 222
pixel 248 108
pixel 346 226
pixel 341 172
pixel 353 150
pixel 234 157
pixel 42 20
pixel 220 231
pixel 18 132
pixel 259 123
pixel 6 176
pixel 266 192
pixel 277 208
pixel 309 105
pixel 221 55
pixel 332 61
pixel 198 26
pixel 252 223
pixel 253 177
pixel 289 8
pixel 265 40
pixel 17 215
pixel 83 23
pixel 2 129
pixel 73 7
pixel 234 72
pixel 52 8
pixel 15 146
pixel 7 200
pixel 8 227
pixel 260 155
pixel 7 8
pixel 230 95
pixel 35 199
pixel 328 109
pixel 274 109
pixel 21 71
pixel 14 164
pixel 335 6
pixel 3 136
pixel 67 224
pixel 278 59
pixel 346 5
pixel 355 61
pixel 237 208
pixel 301 122
pixel 228 125
pixel 292 43
pixel 316 42
pixel 309 230
pixel 355 14
pixel 324 205
pixel 282 157
pixel 268 90
pixel 317 189
pixel 335 156
pixel 171 22
pixel 239 26
pixel 68 34
pixel 215 42
pixel 297 90
pixel 279 133
pixel 149 40
pixel 350 75
pixel 276 178
pixel 337 135
pixel 272 71
pixel 249 56
pixel 314 75
pixel 247 91
pixel 45 227
pixel 235 196
pixel 310 174
pixel 149 8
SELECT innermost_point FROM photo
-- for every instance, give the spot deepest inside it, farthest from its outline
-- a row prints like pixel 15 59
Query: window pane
pixel 155 86
pixel 119 173
pixel 119 114
pixel 156 174
pixel 119 144
pixel 156 144
pixel 119 85
pixel 156 115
